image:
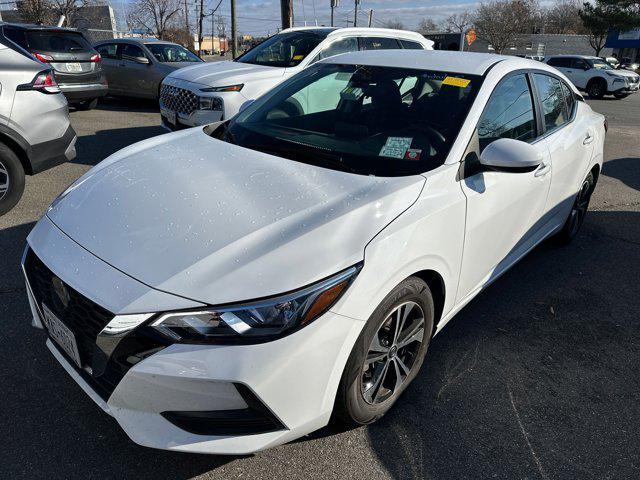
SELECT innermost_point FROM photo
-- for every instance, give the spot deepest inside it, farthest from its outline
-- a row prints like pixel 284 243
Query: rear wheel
pixel 578 211
pixel 387 355
pixel 88 104
pixel 596 88
pixel 11 179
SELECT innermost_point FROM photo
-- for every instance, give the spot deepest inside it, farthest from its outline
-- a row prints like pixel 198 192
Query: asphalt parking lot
pixel 536 378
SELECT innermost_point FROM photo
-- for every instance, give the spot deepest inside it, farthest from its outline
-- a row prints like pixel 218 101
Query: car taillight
pixel 44 82
pixel 43 58
pixel 96 57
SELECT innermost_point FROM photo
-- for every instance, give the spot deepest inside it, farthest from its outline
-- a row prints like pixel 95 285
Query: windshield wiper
pixel 328 159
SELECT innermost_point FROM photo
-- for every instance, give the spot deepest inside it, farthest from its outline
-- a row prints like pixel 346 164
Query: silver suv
pixel 35 133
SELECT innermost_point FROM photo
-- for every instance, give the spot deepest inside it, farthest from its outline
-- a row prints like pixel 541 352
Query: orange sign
pixel 471 36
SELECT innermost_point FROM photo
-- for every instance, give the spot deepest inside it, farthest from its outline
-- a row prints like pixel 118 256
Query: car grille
pixel 178 100
pixel 85 318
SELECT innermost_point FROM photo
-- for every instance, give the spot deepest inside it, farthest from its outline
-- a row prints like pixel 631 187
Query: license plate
pixel 170 116
pixel 62 335
pixel 74 67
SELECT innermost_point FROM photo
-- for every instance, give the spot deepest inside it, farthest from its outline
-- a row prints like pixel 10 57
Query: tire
pixel 620 96
pixel 596 88
pixel 88 104
pixel 578 212
pixel 367 391
pixel 11 179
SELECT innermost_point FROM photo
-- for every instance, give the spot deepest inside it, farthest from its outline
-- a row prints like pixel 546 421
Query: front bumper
pixel 182 121
pixel 294 379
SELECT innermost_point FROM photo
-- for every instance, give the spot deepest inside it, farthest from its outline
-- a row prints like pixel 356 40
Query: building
pixel 536 44
pixel 213 45
pixel 625 44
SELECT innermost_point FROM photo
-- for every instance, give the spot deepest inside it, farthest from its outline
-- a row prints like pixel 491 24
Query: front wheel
pixel 387 355
pixel 578 211
pixel 596 89
pixel 11 179
pixel 620 95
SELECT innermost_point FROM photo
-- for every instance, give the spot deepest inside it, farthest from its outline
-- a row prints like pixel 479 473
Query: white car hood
pixel 191 215
pixel 218 74
pixel 623 73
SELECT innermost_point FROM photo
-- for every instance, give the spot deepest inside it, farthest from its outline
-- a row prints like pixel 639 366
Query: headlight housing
pixel 210 103
pixel 257 321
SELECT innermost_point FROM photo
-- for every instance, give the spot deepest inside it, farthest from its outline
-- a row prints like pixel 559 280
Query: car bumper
pixel 53 152
pixel 182 121
pixel 291 381
pixel 83 91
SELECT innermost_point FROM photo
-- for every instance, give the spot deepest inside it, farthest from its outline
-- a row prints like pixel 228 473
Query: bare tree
pixel 427 25
pixel 458 22
pixel 35 11
pixel 157 16
pixel 564 17
pixel 501 21
pixel 394 23
pixel 68 8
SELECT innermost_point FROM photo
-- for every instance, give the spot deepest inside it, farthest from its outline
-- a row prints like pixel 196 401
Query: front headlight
pixel 210 103
pixel 255 321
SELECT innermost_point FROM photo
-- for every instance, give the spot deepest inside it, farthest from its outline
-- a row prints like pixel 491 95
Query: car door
pixel 580 73
pixel 110 65
pixel 569 139
pixel 566 66
pixel 504 209
pixel 135 76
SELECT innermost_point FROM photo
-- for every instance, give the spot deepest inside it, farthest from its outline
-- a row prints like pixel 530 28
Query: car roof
pixel 440 60
pixel 136 41
pixel 572 56
pixel 30 26
pixel 362 31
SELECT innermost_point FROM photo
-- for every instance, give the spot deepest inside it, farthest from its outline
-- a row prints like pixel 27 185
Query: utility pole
pixel 286 13
pixel 370 16
pixel 200 17
pixel 355 14
pixel 186 17
pixel 334 4
pixel 234 31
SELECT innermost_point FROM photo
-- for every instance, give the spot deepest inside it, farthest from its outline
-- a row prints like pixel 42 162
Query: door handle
pixel 542 170
pixel 588 139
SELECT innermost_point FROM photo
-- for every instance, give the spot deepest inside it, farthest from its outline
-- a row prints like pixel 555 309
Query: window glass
pixel 16 35
pixel 552 99
pixel 170 53
pixel 509 113
pixel 378 43
pixel 344 45
pixel 354 118
pixel 283 50
pixel 409 45
pixel 67 42
pixel 131 52
pixel 108 50
pixel 600 64
pixel 579 64
pixel 569 98
pixel 560 62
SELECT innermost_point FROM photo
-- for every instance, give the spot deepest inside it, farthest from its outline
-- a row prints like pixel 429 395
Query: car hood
pixel 623 73
pixel 194 216
pixel 217 74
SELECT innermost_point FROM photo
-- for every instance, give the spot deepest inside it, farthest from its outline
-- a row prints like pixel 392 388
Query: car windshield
pixel 368 120
pixel 600 64
pixel 168 53
pixel 284 50
pixel 52 41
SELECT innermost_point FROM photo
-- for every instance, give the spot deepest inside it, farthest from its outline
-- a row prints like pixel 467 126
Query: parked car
pixel 247 280
pixel 595 76
pixel 216 91
pixel 135 67
pixel 629 64
pixel 613 61
pixel 76 64
pixel 35 133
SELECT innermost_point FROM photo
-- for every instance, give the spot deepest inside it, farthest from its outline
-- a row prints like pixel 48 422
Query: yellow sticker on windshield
pixel 456 82
pixel 298 57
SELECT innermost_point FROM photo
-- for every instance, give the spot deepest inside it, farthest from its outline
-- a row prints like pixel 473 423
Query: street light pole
pixel 355 14
pixel 234 30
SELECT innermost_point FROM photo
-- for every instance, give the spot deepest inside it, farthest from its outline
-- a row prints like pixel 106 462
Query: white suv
pixel 595 76
pixel 211 92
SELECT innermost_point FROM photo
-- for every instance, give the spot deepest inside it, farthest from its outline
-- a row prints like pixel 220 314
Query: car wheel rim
pixel 393 353
pixel 4 180
pixel 580 207
pixel 595 90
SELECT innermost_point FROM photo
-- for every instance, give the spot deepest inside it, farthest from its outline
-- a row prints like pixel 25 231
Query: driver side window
pixel 509 113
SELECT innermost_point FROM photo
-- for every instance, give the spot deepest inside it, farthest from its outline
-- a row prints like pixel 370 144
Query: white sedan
pixel 227 289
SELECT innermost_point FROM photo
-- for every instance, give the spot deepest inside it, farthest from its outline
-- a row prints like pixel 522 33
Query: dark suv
pixel 77 65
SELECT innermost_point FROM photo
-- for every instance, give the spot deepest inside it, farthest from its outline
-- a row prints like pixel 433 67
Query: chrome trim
pixel 119 326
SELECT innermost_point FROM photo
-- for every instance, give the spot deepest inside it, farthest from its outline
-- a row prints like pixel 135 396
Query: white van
pixel 211 92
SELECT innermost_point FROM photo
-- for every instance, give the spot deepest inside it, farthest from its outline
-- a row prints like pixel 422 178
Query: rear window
pixel 378 43
pixel 409 45
pixel 52 41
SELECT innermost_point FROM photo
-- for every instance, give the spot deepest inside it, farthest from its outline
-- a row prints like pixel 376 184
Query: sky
pixel 258 17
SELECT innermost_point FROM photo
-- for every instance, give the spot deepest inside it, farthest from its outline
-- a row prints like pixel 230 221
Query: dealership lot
pixel 536 378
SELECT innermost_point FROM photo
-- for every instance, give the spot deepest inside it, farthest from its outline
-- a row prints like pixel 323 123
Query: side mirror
pixel 509 154
pixel 142 60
